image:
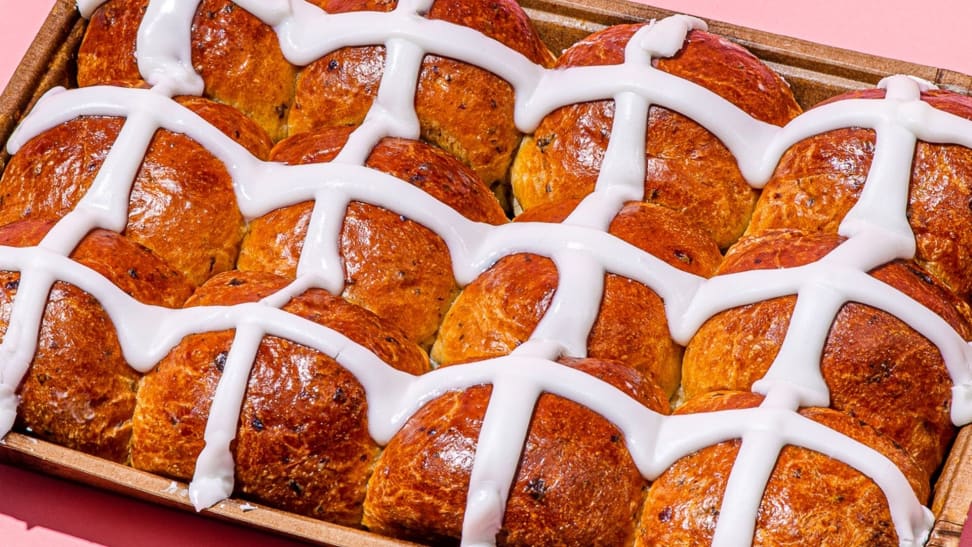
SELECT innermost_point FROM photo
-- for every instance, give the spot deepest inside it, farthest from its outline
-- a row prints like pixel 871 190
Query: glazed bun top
pixel 822 177
pixel 662 122
pixel 687 168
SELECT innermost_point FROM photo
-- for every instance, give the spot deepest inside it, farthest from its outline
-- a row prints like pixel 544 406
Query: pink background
pixel 933 32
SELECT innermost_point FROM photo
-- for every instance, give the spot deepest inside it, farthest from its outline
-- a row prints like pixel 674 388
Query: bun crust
pixel 79 390
pixel 821 178
pixel 683 504
pixel 237 56
pixel 296 361
pixel 182 205
pixel 501 308
pixel 418 490
pixel 688 169
pixel 877 368
pixel 461 108
pixel 393 266
pixel 317 467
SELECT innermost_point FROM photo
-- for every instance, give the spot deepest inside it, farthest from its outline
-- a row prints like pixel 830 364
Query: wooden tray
pixel 815 72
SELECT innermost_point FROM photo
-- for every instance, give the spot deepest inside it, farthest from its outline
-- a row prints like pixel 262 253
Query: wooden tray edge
pixel 814 70
pixel 24 451
pixel 834 68
pixel 46 64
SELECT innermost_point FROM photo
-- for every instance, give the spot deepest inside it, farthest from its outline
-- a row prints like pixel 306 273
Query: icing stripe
pixel 581 249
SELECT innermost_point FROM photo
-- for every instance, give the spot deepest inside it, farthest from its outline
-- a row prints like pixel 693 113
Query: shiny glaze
pixel 876 229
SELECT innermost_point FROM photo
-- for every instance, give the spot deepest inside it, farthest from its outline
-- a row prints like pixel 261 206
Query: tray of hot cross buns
pixel 486 273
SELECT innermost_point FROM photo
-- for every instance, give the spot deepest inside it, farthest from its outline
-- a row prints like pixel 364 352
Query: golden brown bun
pixel 461 108
pixel 877 368
pixel 559 496
pixel 501 308
pixel 811 499
pixel 182 205
pixel 393 266
pixel 688 169
pixel 237 56
pixel 819 179
pixel 303 442
pixel 107 51
pixel 79 391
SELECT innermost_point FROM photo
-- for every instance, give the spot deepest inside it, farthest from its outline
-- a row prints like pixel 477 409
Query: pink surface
pixel 65 510
pixel 932 33
pixel 15 533
pixel 19 22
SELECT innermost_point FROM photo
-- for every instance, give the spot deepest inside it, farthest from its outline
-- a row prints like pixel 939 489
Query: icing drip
pixel 876 229
pixel 501 440
pixel 20 339
pixel 213 478
pixel 754 464
pixel 164 47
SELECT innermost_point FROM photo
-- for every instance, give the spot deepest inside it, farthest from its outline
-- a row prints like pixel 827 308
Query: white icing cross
pixel 877 230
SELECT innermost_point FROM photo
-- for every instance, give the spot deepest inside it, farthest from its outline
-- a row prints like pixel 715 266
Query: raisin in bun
pixel 79 390
pixel 418 489
pixel 877 368
pixel 461 108
pixel 182 204
pixel 393 266
pixel 302 443
pixel 688 169
pixel 236 54
pixel 819 179
pixel 810 499
pixel 500 309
